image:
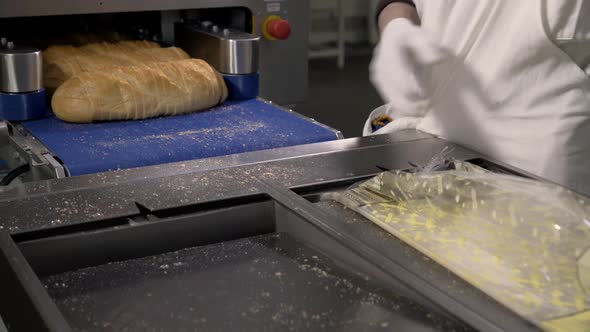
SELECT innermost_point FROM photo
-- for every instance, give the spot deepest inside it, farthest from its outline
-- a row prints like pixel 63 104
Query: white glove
pixel 404 70
pixel 400 123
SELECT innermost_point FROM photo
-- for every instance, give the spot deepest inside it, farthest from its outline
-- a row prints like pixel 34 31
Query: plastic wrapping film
pixel 523 242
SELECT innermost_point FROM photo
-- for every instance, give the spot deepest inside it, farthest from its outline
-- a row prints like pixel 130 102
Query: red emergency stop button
pixel 276 28
pixel 279 29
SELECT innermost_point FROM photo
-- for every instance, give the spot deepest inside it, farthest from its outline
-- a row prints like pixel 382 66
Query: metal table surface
pixel 53 203
pixel 267 283
pixel 206 164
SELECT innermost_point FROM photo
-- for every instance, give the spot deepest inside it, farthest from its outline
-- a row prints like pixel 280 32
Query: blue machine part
pixel 23 106
pixel 234 127
pixel 240 87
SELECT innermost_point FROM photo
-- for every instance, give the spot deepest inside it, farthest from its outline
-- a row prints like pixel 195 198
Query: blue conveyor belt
pixel 234 127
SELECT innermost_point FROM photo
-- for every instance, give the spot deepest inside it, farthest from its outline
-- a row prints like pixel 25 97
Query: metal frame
pixel 18 147
pixel 283 64
pixel 129 211
pixel 24 8
pixel 337 132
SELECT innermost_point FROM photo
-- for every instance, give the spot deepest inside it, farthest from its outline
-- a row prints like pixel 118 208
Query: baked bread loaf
pixel 124 46
pixel 56 72
pixel 83 38
pixel 139 92
pixel 58 52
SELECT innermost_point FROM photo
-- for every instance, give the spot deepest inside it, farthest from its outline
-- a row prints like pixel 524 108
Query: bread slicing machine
pixel 258 46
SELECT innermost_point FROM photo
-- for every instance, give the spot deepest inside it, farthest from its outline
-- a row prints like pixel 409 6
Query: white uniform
pixel 516 86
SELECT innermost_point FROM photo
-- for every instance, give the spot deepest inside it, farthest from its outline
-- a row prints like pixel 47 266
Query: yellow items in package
pixel 523 242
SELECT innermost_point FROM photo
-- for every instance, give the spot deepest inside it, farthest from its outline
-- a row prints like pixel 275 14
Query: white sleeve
pixel 568 27
pixel 419 7
pixel 567 20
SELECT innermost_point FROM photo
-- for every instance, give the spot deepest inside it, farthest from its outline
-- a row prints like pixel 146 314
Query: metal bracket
pixel 4 133
pixel 18 148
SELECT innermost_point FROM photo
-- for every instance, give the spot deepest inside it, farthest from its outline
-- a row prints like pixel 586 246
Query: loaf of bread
pixel 83 38
pixel 56 72
pixel 124 46
pixel 59 52
pixel 139 92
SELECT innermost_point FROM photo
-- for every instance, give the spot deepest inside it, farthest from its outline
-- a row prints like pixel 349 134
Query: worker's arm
pixel 389 10
pixel 404 68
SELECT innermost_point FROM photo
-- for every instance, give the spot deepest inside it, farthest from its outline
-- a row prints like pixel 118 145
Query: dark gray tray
pixel 265 283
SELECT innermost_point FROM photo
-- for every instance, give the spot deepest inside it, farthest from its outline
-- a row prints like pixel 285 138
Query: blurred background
pixel 342 36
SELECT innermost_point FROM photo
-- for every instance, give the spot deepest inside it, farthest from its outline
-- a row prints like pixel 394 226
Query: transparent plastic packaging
pixel 523 242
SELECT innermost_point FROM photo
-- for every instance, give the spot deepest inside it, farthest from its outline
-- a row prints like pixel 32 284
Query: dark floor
pixel 341 99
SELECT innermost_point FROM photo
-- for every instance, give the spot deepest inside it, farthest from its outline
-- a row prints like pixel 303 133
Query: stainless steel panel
pixel 21 70
pixel 284 69
pixel 229 51
pixel 324 151
pixel 11 8
pixel 239 56
pixel 2 326
pixel 4 133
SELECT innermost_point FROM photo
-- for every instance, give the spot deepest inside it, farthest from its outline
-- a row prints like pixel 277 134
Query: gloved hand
pixel 405 71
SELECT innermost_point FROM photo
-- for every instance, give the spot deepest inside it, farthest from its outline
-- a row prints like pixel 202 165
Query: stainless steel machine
pixel 283 58
pixel 259 46
pixel 231 243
